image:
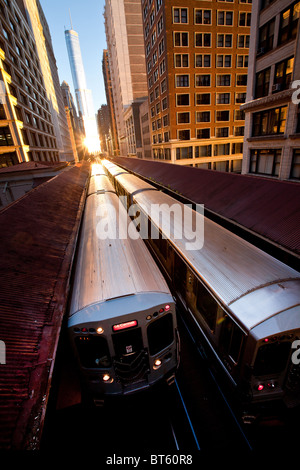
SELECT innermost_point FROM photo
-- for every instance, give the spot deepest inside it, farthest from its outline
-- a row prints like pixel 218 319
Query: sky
pixel 88 22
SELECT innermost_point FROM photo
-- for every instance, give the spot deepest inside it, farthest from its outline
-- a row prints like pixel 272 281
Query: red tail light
pixel 123 326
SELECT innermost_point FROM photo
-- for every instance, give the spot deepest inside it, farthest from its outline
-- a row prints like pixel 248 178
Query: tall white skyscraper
pixel 83 94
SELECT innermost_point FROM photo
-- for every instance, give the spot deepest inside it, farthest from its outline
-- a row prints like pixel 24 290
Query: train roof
pixel 262 206
pixel 133 183
pixel 99 182
pixel 112 168
pixel 110 268
pixel 97 169
pixel 229 265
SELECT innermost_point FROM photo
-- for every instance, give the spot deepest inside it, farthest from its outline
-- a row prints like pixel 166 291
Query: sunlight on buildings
pixel 92 143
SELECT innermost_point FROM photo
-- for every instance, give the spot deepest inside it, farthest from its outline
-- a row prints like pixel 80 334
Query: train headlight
pixel 100 330
pixel 157 364
pixel 107 378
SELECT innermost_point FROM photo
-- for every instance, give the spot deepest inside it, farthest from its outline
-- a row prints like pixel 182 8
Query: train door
pixel 231 341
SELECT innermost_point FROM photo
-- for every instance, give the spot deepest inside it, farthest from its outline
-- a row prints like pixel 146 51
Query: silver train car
pixel 122 319
pixel 242 305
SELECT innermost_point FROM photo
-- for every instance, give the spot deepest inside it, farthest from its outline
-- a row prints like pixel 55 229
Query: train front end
pixel 126 344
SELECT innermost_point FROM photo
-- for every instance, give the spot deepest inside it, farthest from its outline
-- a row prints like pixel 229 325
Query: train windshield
pixel 93 351
pixel 160 334
pixel 272 358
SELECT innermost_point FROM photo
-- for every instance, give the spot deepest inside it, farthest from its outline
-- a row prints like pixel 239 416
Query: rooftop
pixel 37 244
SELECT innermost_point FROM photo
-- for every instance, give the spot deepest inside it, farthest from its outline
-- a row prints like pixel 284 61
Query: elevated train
pixel 241 304
pixel 122 319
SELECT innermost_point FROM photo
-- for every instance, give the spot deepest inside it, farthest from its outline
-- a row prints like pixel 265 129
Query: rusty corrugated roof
pixel 268 207
pixel 37 243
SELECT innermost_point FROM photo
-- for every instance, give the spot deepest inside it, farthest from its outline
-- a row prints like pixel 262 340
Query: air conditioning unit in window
pixel 260 51
pixel 276 87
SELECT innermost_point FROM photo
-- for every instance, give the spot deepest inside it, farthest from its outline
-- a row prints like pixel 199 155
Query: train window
pixel 93 351
pixel 163 247
pixel 272 358
pixel 180 275
pixel 160 334
pixel 128 341
pixel 231 338
pixel 206 306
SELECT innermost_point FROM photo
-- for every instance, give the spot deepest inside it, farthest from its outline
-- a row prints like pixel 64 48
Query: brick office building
pixel 196 61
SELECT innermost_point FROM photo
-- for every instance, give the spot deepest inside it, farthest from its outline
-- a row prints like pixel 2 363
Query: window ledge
pixel 266 137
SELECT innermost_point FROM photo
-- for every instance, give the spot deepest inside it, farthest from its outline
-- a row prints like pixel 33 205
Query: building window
pixel 295 167
pixel 202 98
pixel 183 118
pixel 269 122
pixel 262 83
pixel 223 80
pixel 240 98
pixel 237 147
pixel 202 80
pixel 161 47
pixel 162 67
pixel 180 15
pixel 266 37
pixel 239 131
pixel 244 19
pixel 223 60
pixel 163 85
pixel 202 150
pixel 239 115
pixel 298 120
pixel 265 161
pixel 164 103
pixel 202 60
pixel 181 60
pixel 202 16
pixel 225 18
pixel 160 25
pixel 202 39
pixel 243 41
pixel 222 115
pixel 184 152
pixel 222 98
pixel 184 134
pixel 203 116
pixel 5 137
pixel 183 100
pixel 289 23
pixel 221 149
pixel 181 39
pixel 224 40
pixel 283 74
pixel 241 80
pixel 242 61
pixel 182 80
pixel 203 134
pixel 222 131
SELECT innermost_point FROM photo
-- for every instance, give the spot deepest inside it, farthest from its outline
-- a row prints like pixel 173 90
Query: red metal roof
pixel 268 207
pixel 37 243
